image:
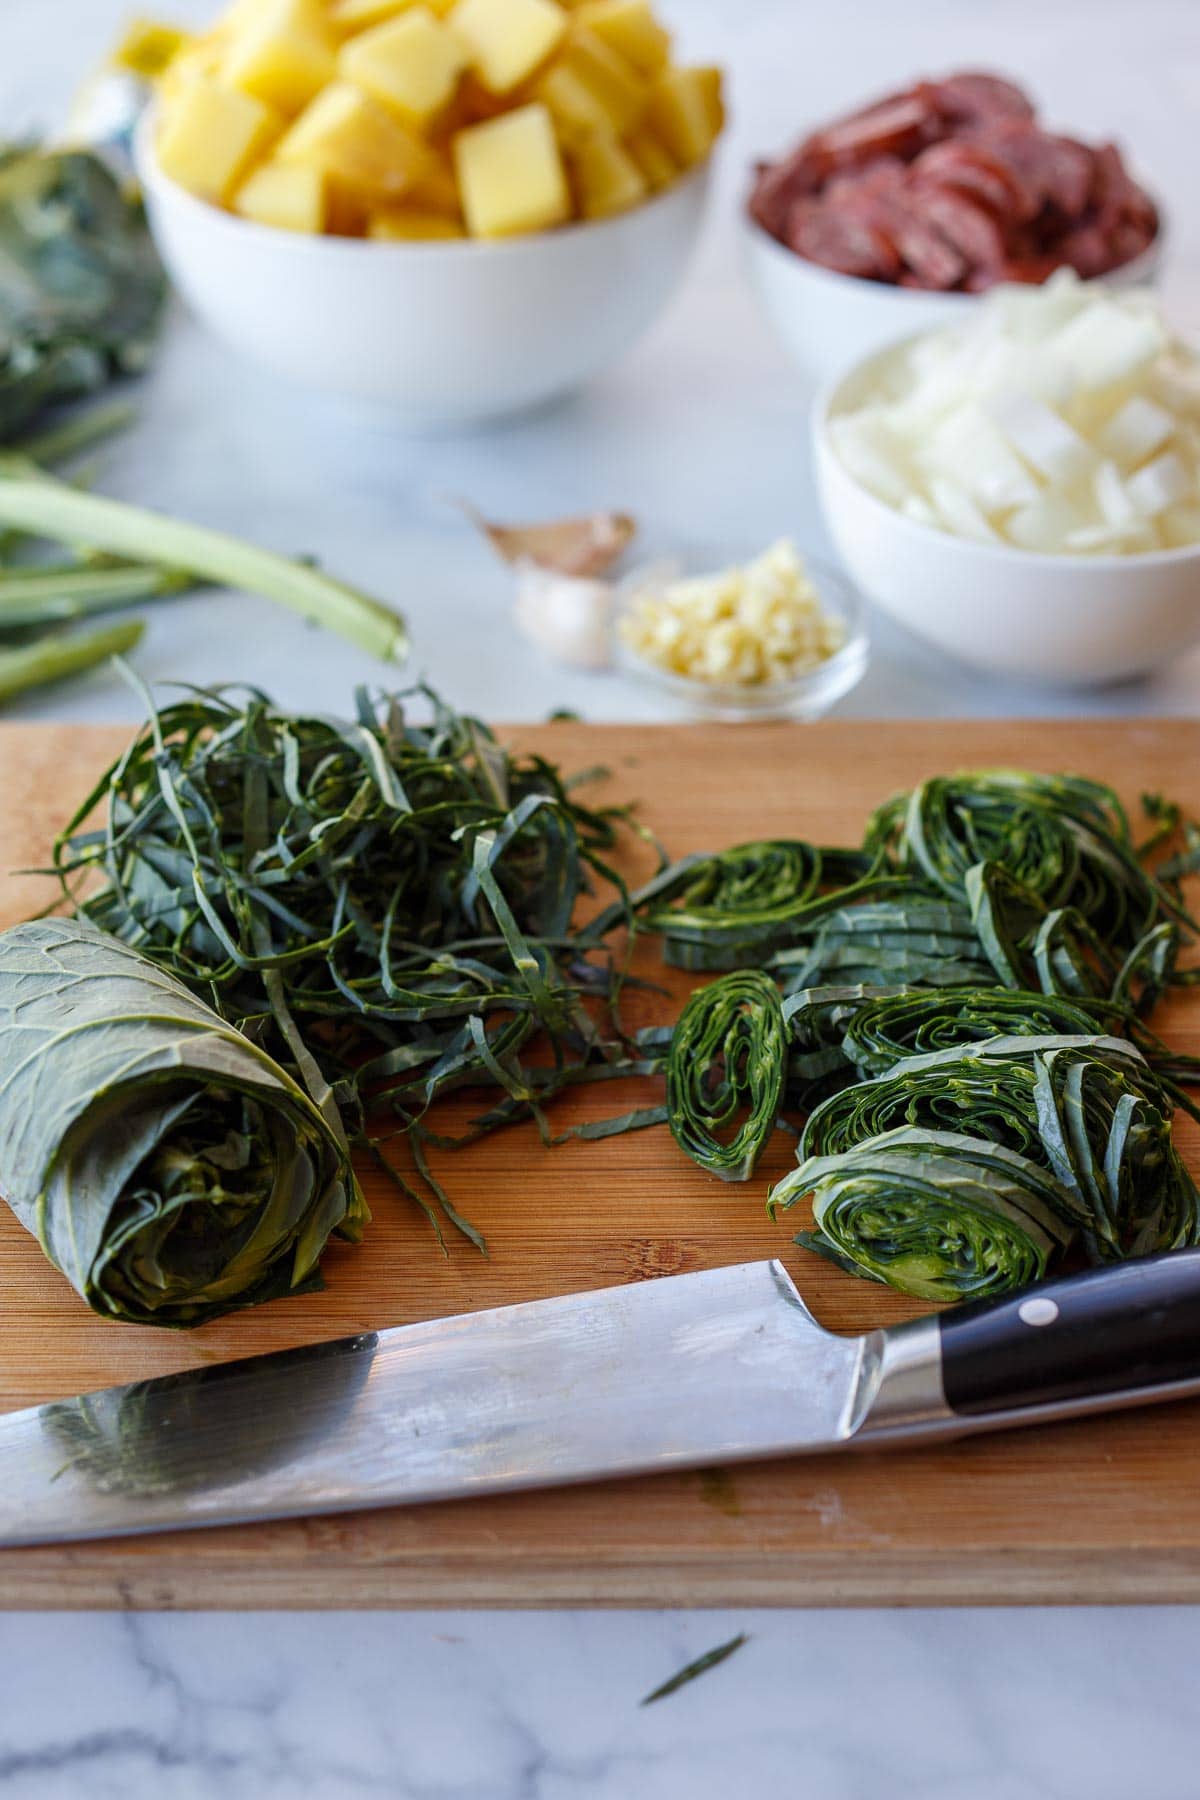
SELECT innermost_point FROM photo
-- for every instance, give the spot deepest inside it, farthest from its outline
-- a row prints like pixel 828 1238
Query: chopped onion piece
pixel 1044 439
pixel 1113 497
pixel 1136 431
pixel 960 512
pixel 1162 483
pixel 1108 343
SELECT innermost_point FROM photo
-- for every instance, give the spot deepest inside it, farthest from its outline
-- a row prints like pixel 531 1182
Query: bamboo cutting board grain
pixel 1098 1511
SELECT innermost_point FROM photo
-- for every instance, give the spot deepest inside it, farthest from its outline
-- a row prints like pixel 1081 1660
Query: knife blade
pixel 721 1366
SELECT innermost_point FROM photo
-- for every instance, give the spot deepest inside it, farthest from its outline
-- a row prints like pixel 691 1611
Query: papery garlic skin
pixel 751 626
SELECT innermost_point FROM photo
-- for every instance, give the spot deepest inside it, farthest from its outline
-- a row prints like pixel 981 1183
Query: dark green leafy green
pixel 734 908
pixel 933 1213
pixel 725 1073
pixel 81 289
pixel 387 905
pixel 1088 1109
pixel 164 1162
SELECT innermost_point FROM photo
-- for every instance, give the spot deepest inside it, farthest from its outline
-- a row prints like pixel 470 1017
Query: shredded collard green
pixel 387 906
pixel 958 1008
pixel 699 1666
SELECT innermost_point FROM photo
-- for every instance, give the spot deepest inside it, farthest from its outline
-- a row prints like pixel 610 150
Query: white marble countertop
pixel 702 433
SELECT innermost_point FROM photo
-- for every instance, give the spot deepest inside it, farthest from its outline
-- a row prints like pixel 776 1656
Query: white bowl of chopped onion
pixel 777 637
pixel 1024 492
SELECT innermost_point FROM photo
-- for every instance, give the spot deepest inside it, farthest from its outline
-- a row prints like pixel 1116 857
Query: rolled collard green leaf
pixel 725 1073
pixel 165 1164
pixel 887 1027
pixel 934 1213
pixel 1089 1110
pixel 732 909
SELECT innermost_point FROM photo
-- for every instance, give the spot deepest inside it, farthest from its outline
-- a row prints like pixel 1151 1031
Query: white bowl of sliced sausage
pixel 892 221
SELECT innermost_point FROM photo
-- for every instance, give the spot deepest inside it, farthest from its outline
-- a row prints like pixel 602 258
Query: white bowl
pixel 826 321
pixel 1075 621
pixel 436 334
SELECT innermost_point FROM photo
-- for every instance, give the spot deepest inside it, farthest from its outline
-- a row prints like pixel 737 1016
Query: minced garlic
pixel 746 626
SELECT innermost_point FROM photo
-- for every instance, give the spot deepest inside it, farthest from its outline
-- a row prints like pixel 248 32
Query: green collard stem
pixel 57 657
pixel 47 596
pixel 51 509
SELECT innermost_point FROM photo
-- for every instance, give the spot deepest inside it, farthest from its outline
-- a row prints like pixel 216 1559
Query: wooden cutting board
pixel 1097 1511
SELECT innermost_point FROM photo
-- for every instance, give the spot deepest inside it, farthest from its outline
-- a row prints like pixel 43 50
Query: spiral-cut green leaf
pixel 886 1028
pixel 933 1213
pixel 166 1165
pixel 732 909
pixel 1064 838
pixel 725 1073
pixel 1087 1109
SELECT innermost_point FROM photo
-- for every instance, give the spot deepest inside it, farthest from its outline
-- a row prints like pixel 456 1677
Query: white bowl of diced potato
pixel 446 213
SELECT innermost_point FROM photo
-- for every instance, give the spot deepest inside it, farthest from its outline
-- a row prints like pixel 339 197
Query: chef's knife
pixel 716 1367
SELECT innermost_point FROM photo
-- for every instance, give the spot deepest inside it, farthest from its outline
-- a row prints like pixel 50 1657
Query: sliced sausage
pixel 899 126
pixel 841 240
pixel 1057 169
pixel 974 98
pixel 970 167
pixel 973 231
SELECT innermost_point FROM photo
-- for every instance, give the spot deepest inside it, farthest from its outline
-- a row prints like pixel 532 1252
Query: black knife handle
pixel 1111 1331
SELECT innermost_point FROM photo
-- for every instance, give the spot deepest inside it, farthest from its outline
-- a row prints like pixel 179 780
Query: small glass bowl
pixel 805 696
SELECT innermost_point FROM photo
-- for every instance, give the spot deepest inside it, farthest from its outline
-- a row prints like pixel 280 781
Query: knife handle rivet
pixel 1037 1311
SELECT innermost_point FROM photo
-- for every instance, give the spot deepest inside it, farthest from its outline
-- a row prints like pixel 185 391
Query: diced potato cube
pixel 630 28
pixel 148 48
pixel 288 196
pixel 348 16
pixel 655 161
pixel 711 85
pixel 682 113
pixel 210 136
pixel 284 55
pixel 408 224
pixel 607 179
pixel 511 175
pixel 411 63
pixel 577 111
pixel 620 90
pixel 203 57
pixel 508 39
pixel 357 143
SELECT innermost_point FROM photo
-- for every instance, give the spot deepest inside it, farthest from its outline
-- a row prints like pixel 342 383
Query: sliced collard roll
pixel 725 1073
pixel 933 1213
pixel 165 1164
pixel 1087 1109
pixel 887 1027
pixel 735 907
pixel 1064 838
